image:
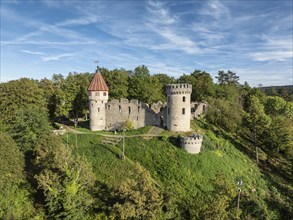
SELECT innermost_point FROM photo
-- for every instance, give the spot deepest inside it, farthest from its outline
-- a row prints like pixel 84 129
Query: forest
pixel 248 136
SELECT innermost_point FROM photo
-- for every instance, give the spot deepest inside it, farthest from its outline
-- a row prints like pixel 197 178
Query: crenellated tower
pixel 178 106
pixel 98 96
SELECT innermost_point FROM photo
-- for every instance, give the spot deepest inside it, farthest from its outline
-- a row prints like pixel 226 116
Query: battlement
pixel 192 139
pixel 179 88
pixel 124 101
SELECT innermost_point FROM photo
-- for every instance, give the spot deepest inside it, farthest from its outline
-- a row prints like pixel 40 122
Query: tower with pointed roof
pixel 98 96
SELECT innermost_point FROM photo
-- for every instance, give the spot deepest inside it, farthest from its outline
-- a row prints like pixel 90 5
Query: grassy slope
pixel 172 167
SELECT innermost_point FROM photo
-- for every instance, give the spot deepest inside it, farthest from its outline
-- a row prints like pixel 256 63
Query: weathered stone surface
pixel 178 107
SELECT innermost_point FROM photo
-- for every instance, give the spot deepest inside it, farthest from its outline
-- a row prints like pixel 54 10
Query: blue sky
pixel 250 37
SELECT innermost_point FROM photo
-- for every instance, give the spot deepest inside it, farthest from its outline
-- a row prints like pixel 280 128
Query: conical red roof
pixel 98 83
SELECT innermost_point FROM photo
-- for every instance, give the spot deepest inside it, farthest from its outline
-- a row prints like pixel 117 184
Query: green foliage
pixel 225 114
pixel 164 79
pixel 189 183
pixel 255 117
pixel 138 198
pixel 275 105
pixel 117 82
pixel 68 97
pixel 15 201
pixel 202 85
pixel 12 162
pixel 66 181
pixel 277 137
pixel 128 125
pixel 227 78
pixel 220 200
pixel 144 87
pixel 16 94
pixel 28 125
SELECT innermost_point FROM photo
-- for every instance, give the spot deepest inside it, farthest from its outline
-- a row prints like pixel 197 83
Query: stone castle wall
pixel 139 113
pixel 197 109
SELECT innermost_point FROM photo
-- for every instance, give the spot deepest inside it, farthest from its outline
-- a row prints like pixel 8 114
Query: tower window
pixel 109 107
pixel 136 118
pixel 183 98
pixel 129 110
pixel 96 93
pixel 119 108
pixel 104 93
pixel 183 111
pixel 138 108
pixel 98 109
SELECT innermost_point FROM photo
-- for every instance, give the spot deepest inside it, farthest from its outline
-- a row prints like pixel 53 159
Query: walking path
pixel 153 132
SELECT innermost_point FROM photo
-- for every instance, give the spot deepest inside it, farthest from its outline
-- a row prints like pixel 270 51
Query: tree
pixel 143 86
pixel 216 204
pixel 65 180
pixel 138 198
pixel 15 202
pixel 275 105
pixel 49 88
pixel 28 125
pixel 19 93
pixel 70 97
pixel 228 86
pixel 277 137
pixel 256 120
pixel 227 78
pixel 225 114
pixel 117 82
pixel 164 79
pixel 204 86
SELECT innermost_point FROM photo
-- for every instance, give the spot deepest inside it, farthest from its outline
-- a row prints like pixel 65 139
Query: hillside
pixel 191 184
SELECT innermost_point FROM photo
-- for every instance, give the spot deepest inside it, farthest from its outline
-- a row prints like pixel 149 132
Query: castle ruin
pixel 175 115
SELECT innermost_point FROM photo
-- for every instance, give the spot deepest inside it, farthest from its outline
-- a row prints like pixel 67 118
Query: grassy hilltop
pixel 194 186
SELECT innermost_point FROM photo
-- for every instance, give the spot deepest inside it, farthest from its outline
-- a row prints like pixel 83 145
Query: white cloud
pixel 32 52
pixel 160 14
pixel 274 49
pixel 91 19
pixel 167 26
pixel 215 9
pixel 272 56
pixel 56 57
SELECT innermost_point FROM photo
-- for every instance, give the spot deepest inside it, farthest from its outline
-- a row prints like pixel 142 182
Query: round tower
pixel 98 96
pixel 192 144
pixel 178 106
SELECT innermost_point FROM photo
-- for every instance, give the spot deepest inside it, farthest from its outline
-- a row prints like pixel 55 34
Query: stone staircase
pixel 111 140
pixel 155 131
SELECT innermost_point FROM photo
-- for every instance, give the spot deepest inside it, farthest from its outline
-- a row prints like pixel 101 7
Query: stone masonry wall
pixel 141 114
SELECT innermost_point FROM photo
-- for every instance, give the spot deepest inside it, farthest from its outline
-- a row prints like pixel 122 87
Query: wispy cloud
pixel 90 19
pixel 167 26
pixel 274 49
pixel 56 57
pixel 32 52
pixel 272 56
pixel 215 9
